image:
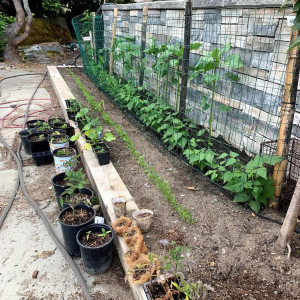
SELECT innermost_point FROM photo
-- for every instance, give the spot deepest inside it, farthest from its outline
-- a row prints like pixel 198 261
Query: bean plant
pixel 208 65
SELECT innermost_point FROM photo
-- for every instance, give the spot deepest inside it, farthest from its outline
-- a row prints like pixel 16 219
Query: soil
pixel 138 273
pixel 157 290
pixel 62 182
pixel 79 216
pixel 94 240
pixel 231 249
pixel 143 215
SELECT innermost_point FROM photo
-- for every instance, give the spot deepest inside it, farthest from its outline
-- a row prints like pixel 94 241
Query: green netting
pixel 237 69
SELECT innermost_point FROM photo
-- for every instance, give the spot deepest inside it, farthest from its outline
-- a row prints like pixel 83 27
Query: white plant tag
pixel 99 220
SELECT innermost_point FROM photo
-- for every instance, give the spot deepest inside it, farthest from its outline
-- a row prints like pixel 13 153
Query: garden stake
pixel 186 56
pixel 143 44
pixel 114 28
pixel 287 117
pixel 93 14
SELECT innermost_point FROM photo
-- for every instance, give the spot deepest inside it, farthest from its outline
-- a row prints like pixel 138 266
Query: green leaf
pixel 204 104
pixel 257 191
pixel 75 137
pixel 230 162
pixel 227 176
pixel 232 76
pixel 272 159
pixel 223 155
pixel 235 185
pixel 225 108
pixel 296 7
pixel 109 137
pixel 195 46
pixel 296 43
pixel 232 61
pixel 262 172
pixel 255 205
pixel 241 197
pixel 209 79
pixel 296 26
pixel 233 154
pixel 248 184
pixel 215 54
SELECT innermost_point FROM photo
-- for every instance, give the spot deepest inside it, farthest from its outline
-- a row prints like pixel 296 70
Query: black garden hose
pixel 21 182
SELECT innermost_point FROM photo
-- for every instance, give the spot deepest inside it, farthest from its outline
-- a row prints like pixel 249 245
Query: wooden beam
pixel 105 180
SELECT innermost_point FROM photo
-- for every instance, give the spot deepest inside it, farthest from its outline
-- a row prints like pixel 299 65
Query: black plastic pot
pixel 69 129
pixel 84 191
pixel 30 124
pixel 38 146
pixel 23 136
pixel 42 158
pixel 59 189
pixel 103 158
pixel 80 123
pixel 70 231
pixel 96 259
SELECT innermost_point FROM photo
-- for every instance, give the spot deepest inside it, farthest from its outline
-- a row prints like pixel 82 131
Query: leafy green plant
pixel 208 65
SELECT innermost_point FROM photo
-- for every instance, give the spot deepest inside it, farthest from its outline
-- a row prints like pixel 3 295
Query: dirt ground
pixel 231 249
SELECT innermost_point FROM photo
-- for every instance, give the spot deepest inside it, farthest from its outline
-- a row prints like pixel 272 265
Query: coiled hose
pixel 21 182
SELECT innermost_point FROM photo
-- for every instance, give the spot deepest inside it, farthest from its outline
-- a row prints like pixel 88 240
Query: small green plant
pixel 88 235
pixel 176 256
pixel 104 233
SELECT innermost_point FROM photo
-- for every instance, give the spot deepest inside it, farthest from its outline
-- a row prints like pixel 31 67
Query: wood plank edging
pixel 105 180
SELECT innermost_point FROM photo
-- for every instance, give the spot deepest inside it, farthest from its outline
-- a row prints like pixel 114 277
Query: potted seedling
pixel 81 117
pixel 34 123
pixel 144 219
pixel 58 141
pixel 38 142
pixel 95 242
pixel 71 220
pixel 43 126
pixel 23 136
pixel 55 120
pixel 73 107
pixel 65 126
pixel 68 178
pixel 62 158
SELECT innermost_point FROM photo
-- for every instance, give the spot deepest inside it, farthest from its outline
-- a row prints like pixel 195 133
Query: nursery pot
pixel 69 129
pixel 144 219
pixel 70 231
pixel 103 158
pixel 84 191
pixel 61 161
pixel 31 123
pixel 56 145
pixel 96 259
pixel 119 205
pixel 23 136
pixel 38 146
pixel 59 189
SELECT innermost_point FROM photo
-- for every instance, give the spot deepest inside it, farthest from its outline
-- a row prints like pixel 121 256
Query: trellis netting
pixel 236 78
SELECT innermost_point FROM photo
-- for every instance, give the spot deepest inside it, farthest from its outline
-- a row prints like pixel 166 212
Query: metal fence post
pixel 114 28
pixel 186 56
pixel 143 45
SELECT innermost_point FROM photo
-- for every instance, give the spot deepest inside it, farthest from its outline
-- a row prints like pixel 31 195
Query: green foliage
pixel 52 5
pixel 4 20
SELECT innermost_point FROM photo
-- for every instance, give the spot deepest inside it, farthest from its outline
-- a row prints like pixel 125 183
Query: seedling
pixel 88 235
pixel 104 233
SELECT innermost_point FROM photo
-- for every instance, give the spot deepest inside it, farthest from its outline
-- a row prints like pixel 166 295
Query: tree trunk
pixel 13 39
pixel 288 226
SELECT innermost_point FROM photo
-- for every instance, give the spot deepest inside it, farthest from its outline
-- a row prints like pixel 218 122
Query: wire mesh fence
pixel 236 82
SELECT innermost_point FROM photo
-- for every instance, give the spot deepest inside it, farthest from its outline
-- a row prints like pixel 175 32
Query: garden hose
pixel 20 182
